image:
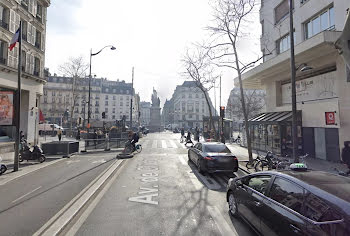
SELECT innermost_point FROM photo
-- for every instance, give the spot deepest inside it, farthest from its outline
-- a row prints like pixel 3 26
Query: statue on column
pixel 155 99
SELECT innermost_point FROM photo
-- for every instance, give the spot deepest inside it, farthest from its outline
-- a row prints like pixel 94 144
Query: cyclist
pixel 133 138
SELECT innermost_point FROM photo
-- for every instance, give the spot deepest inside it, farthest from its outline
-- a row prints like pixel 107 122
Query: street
pixel 157 192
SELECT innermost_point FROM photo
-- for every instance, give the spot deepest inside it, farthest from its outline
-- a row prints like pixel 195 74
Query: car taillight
pixel 235 158
pixel 208 158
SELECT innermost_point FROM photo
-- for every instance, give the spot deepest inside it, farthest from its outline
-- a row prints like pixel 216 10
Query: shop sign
pixel 311 89
pixel 330 118
pixel 6 108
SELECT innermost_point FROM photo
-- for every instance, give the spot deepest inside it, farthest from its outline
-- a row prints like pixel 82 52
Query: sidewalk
pixel 312 163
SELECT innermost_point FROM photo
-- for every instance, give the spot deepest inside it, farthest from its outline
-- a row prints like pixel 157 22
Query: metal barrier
pixel 105 144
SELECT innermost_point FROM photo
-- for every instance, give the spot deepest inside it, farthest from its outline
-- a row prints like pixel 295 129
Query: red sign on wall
pixel 330 118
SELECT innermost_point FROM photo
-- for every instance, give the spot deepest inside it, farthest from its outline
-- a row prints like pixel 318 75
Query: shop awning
pixel 274 117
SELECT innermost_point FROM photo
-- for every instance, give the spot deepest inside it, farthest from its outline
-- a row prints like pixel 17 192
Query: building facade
pixel 188 106
pixel 145 109
pixel 113 98
pixel 322 89
pixel 32 14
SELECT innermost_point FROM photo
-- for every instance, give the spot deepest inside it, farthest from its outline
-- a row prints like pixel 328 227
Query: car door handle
pixel 294 228
pixel 257 203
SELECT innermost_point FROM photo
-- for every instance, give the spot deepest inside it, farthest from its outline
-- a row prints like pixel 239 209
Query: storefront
pixel 272 131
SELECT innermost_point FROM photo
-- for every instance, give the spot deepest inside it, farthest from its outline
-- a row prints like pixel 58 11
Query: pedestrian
pixel 95 138
pixel 21 136
pixel 345 155
pixel 188 138
pixel 197 134
pixel 59 134
pixel 78 134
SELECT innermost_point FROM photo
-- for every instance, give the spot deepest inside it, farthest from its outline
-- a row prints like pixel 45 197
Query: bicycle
pixel 270 162
pixel 255 160
pixel 342 173
pixel 235 140
pixel 130 149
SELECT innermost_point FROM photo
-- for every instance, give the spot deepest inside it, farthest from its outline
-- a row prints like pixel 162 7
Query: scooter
pixel 3 167
pixel 27 154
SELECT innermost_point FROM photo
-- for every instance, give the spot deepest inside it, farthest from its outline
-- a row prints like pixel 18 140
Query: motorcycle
pixel 27 154
pixel 3 167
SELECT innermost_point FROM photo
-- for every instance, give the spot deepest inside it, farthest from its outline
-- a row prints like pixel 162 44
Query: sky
pixel 149 35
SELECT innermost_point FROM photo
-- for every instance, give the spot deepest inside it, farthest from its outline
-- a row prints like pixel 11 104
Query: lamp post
pixel 293 69
pixel 89 100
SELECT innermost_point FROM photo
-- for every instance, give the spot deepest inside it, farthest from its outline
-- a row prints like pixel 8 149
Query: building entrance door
pixel 320 143
pixel 309 141
pixel 332 144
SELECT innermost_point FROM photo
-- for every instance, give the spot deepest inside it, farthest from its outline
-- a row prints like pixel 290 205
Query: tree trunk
pixel 210 113
pixel 246 125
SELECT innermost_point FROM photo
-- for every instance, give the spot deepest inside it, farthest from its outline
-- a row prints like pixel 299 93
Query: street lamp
pixel 304 68
pixel 89 100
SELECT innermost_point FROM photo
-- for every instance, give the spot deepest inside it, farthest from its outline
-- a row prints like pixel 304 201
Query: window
pixel 319 210
pixel 113 97
pixel 4 17
pixel 113 117
pixel 258 183
pixel 3 52
pixel 283 44
pixel 106 109
pixel 106 103
pixel 39 12
pixel 53 93
pixel 121 103
pixel 24 59
pixel 321 22
pixel 38 39
pixel 190 95
pixel 113 110
pixel 36 66
pixel 183 95
pixel 288 194
pixel 106 97
pixel 282 10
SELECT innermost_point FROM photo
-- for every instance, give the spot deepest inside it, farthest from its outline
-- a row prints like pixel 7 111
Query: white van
pixel 49 128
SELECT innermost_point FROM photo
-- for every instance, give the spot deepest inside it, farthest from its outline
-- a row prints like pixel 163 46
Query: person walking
pixel 182 134
pixel 197 134
pixel 345 155
pixel 188 138
pixel 59 134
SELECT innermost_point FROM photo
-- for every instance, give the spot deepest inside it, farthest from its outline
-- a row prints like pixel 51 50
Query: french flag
pixel 14 40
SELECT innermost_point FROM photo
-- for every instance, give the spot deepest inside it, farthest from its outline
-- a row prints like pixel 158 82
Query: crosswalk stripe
pixel 164 144
pixel 146 143
pixel 172 143
pixel 154 144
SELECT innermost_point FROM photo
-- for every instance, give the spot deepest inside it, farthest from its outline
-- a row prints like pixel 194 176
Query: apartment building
pixel 113 98
pixel 145 116
pixel 32 14
pixel 187 106
pixel 323 80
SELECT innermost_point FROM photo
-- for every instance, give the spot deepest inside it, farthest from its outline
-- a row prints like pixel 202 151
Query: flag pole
pixel 18 101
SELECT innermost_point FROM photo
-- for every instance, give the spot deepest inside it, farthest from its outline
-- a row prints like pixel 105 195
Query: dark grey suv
pixel 292 202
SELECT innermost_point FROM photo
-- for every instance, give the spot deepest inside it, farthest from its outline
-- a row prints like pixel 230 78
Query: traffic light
pixel 222 111
pixel 103 115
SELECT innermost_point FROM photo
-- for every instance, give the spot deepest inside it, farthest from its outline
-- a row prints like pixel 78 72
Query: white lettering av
pixel 148 199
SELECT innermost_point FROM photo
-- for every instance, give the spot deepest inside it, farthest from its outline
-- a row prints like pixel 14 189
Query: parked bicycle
pixel 270 162
pixel 235 140
pixel 250 165
pixel 342 173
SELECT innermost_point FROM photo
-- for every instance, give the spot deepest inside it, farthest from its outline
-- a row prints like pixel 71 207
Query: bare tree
pixel 74 68
pixel 230 20
pixel 200 69
pixel 255 102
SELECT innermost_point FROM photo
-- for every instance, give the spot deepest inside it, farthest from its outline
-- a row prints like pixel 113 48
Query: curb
pixel 59 221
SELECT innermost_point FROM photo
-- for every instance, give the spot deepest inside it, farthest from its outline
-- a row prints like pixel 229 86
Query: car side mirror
pixel 239 183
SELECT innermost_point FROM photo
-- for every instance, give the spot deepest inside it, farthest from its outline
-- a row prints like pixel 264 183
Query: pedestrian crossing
pixel 161 144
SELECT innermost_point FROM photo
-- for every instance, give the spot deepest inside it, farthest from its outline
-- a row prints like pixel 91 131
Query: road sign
pixel 330 118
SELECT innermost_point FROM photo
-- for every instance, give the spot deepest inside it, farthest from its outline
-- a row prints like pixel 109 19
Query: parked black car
pixel 213 157
pixel 292 202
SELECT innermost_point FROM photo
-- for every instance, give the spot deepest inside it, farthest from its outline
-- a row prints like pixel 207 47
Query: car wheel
pixel 232 204
pixel 42 158
pixel 20 158
pixel 3 169
pixel 199 167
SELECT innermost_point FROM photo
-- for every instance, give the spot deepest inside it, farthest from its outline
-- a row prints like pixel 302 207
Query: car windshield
pixel 218 148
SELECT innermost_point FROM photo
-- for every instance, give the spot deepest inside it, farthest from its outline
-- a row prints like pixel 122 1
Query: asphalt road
pixel 30 201
pixel 159 192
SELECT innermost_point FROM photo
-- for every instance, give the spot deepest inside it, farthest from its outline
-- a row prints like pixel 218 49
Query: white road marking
pixel 220 180
pixel 154 144
pixel 172 143
pixel 99 161
pixel 164 144
pixel 182 160
pixel 220 221
pixel 70 162
pixel 26 194
pixel 146 143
